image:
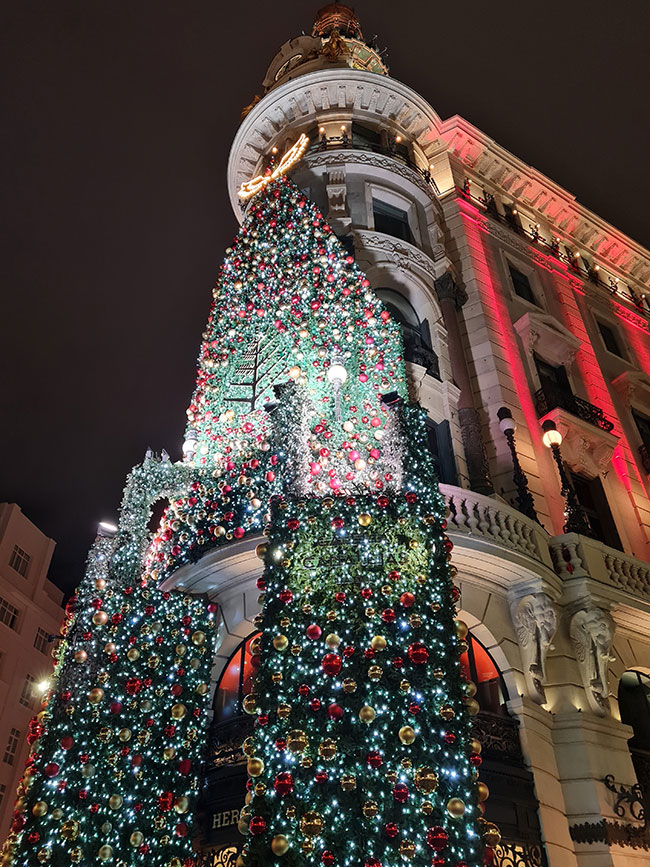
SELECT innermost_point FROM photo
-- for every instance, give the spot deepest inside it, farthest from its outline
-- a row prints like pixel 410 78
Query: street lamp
pixel 525 500
pixel 576 520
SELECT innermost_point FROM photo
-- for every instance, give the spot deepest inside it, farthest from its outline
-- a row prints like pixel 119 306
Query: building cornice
pixel 547 201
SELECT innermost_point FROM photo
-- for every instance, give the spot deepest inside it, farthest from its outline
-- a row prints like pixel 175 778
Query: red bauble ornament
pixel 391 830
pixel 374 759
pixel 400 793
pixel 261 583
pixel 348 652
pixel 437 838
pixel 184 767
pixel 280 745
pixel 340 596
pixel 332 664
pixel 303 690
pixel 181 829
pixel 388 615
pixel 262 719
pixel 285 596
pixel 176 689
pixel 407 600
pixel 165 801
pixel 335 712
pixel 314 632
pixel 257 826
pixel 372 862
pixel 449 738
pixel 366 593
pixel 51 770
pixel 397 662
pixel 418 653
pixel 136 760
pixel 315 704
pixel 33 836
pixel 133 685
pixel 327 858
pixel 321 777
pixel 283 783
pixel 170 731
pixel 67 742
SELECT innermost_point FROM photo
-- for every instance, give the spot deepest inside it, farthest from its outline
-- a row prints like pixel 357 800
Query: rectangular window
pixel 8 614
pixel 42 640
pixel 642 423
pixel 610 339
pixel 521 285
pixel 391 221
pixel 593 501
pixel 12 747
pixel 27 697
pixel 19 560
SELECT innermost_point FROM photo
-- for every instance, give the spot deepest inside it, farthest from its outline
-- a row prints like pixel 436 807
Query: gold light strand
pixel 295 152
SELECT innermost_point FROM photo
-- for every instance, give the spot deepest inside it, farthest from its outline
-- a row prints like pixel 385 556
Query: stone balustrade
pixel 494 521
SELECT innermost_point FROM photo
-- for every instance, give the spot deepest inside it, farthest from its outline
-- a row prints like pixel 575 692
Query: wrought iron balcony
pixel 417 352
pixel 550 397
pixel 644 451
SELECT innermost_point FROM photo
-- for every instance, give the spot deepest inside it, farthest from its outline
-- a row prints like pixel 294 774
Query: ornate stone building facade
pixel 528 343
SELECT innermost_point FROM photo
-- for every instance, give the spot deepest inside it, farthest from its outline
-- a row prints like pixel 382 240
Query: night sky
pixel 116 122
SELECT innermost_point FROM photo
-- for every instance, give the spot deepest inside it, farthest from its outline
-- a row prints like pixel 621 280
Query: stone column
pixel 452 298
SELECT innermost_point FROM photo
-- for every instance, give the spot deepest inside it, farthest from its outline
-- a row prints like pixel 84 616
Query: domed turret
pixel 336 41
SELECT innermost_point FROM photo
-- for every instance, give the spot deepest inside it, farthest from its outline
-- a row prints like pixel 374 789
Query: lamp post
pixel 525 500
pixel 337 376
pixel 576 520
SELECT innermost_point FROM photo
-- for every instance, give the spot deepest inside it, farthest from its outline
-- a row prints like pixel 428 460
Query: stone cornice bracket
pixel 592 633
pixel 447 288
pixel 535 621
pixel 633 385
pixel 545 336
pixel 586 448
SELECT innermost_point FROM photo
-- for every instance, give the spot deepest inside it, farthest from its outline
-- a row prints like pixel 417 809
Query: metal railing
pixel 550 397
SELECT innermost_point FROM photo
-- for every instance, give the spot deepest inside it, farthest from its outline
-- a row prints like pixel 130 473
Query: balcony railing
pixel 417 352
pixel 339 142
pixel 550 397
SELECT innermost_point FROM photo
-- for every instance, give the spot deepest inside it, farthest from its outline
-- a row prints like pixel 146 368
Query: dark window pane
pixel 609 339
pixel 521 285
pixel 643 425
pixel 391 221
pixel 593 500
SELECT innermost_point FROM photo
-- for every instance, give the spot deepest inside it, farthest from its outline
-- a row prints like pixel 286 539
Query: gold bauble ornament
pixel 307 846
pixel 370 809
pixel 88 771
pixel 370 612
pixel 375 672
pixel 105 853
pixel 76 854
pixel 80 656
pixel 415 621
pixel 348 782
pixel 332 640
pixel 279 845
pixel 407 848
pixel 296 740
pixel 110 648
pixel 276 677
pixel 100 583
pixel 438 673
pixel 260 789
pixel 470 688
pixel 100 618
pixel 181 805
pixel 426 807
pixel 115 802
pixel 476 747
pixel 482 791
pixel 70 830
pixel 328 748
pixel 181 650
pixel 311 824
pixel 406 735
pixel 491 835
pixel 447 712
pixel 290 812
pixel 426 779
pixel 133 654
pixel 378 643
pixel 285 623
pixel 144 736
pixel 136 839
pixel 96 695
pixel 255 767
pixel 248 746
pixel 178 711
pixel 124 735
pixel 472 706
pixel 349 685
pixel 404 686
pixel 461 629
pixel 281 642
pixel 296 649
pixel 367 714
pixel 44 854
pixel 456 808
pixel 365 519
pixel 39 808
pixel 251 704
pixel 283 711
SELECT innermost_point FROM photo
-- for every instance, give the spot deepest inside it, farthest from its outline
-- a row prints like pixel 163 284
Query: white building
pixel 512 295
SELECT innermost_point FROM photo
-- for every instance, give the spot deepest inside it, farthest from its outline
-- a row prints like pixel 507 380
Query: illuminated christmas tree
pixel 300 426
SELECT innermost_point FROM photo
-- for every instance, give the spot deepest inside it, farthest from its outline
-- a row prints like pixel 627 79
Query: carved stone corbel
pixel 592 632
pixel 535 621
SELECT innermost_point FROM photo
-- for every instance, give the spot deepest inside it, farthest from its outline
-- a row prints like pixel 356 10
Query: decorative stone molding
pixel 372 160
pixel 586 449
pixel 545 336
pixel 508 237
pixel 632 385
pixel 337 193
pixel 535 621
pixel 592 632
pixel 447 288
pixel 403 255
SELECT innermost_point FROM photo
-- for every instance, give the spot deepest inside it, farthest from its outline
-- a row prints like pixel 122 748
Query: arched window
pixel 416 333
pixel 478 665
pixel 634 706
pixel 235 682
